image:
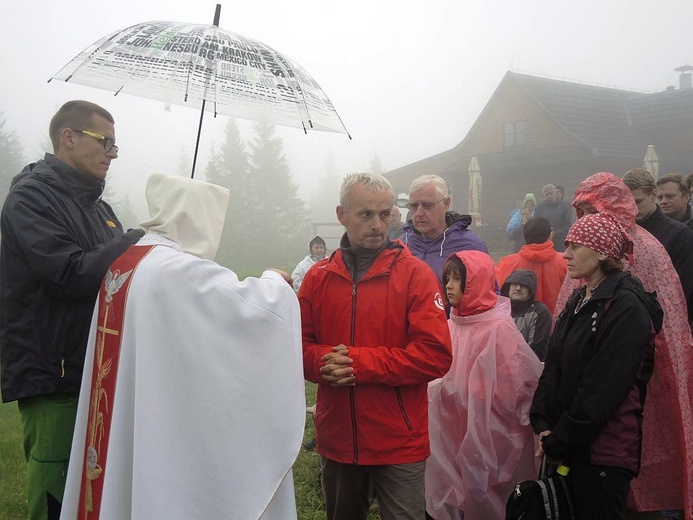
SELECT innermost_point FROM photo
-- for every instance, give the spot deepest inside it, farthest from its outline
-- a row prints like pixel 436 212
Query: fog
pixel 408 78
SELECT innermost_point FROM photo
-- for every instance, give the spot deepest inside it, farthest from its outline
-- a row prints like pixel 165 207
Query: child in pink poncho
pixel 481 440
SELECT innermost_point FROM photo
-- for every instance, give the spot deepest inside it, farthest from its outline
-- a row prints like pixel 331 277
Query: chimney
pixel 685 78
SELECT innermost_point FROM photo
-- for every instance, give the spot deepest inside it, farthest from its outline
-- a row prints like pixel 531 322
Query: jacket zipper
pixel 352 397
pixel 62 367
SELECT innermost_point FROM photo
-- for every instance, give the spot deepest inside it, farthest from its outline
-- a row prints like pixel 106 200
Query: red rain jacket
pixel 394 324
pixel 549 266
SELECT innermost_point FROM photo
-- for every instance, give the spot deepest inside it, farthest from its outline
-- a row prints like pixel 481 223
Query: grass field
pixel 309 500
pixel 12 465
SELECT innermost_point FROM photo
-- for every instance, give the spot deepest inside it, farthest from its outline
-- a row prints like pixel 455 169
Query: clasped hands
pixel 336 369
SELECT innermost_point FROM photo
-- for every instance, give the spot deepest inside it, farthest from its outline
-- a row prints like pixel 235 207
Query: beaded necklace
pixel 584 299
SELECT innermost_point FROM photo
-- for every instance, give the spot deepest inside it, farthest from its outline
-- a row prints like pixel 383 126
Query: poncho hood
pixel 608 195
pixel 480 284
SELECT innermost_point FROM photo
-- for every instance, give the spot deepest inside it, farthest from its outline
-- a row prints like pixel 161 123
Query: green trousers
pixel 48 422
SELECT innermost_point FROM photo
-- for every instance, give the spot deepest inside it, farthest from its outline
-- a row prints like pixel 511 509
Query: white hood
pixel 187 211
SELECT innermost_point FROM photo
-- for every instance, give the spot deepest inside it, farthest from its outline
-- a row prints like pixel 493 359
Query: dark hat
pixel 537 230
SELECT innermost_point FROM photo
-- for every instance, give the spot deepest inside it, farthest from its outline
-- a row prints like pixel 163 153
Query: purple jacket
pixel 435 251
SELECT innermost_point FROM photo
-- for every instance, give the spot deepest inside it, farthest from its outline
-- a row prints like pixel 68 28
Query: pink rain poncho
pixel 481 441
pixel 666 474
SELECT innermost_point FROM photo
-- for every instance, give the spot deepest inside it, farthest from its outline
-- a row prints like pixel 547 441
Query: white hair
pixel 371 181
pixel 438 183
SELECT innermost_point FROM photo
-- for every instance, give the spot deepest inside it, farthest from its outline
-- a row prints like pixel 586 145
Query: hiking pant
pixel 399 489
pixel 599 492
pixel 48 422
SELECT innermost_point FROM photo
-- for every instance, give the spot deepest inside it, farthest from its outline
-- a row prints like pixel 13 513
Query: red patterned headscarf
pixel 608 195
pixel 601 233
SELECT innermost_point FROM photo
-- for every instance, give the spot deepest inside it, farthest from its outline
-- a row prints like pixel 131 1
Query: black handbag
pixel 547 498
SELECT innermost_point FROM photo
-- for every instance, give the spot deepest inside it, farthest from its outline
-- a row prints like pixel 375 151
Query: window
pixel 514 133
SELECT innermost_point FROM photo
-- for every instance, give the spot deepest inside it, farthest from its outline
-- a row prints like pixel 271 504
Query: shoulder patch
pixel 438 300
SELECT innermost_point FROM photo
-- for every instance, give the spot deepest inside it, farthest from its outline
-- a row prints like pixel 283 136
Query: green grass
pixel 13 505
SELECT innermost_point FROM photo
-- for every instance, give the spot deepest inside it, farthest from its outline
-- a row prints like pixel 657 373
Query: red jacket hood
pixel 541 253
pixel 480 285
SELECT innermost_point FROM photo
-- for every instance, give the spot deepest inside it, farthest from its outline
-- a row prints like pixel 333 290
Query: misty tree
pixel 11 158
pixel 376 165
pixel 184 167
pixel 122 206
pixel 229 167
pixel 326 194
pixel 44 147
pixel 279 216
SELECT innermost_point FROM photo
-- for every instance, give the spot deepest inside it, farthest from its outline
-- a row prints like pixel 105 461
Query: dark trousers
pixel 399 489
pixel 600 492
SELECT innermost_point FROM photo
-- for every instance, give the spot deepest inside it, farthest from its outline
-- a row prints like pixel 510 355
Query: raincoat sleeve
pixel 608 377
pixel 428 352
pixel 51 246
pixel 299 273
pixel 312 350
pixel 541 326
pixel 514 225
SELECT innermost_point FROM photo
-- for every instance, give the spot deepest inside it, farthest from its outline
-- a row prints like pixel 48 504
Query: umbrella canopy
pixel 193 65
pixel 184 64
pixel 651 162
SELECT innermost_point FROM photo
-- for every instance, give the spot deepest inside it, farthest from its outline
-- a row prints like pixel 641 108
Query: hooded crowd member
pixel 316 252
pixel 192 402
pixel 518 219
pixel 434 233
pixel 539 255
pixel 666 474
pixel 481 441
pixel 588 406
pixel 374 335
pixel 533 318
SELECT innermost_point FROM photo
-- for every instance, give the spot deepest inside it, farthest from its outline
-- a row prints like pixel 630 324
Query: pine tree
pixel 11 158
pixel 122 206
pixel 278 217
pixel 376 165
pixel 229 168
pixel 326 194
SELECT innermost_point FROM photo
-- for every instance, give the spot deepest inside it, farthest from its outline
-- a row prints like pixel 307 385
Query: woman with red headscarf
pixel 666 473
pixel 588 406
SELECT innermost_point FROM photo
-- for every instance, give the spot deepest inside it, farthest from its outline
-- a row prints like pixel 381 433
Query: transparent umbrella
pixel 206 67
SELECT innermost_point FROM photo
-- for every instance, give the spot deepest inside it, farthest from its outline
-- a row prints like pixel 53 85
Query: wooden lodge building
pixel 535 131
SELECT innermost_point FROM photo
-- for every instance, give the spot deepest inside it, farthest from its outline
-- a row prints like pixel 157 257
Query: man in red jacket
pixel 374 335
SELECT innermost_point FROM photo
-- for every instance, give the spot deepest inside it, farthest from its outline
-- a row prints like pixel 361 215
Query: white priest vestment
pixel 206 415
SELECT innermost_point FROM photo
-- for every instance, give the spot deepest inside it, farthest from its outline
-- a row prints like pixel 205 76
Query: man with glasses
pixel 58 240
pixel 433 232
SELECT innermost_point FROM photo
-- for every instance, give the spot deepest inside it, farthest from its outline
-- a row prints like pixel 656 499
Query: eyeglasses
pixel 108 143
pixel 427 206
